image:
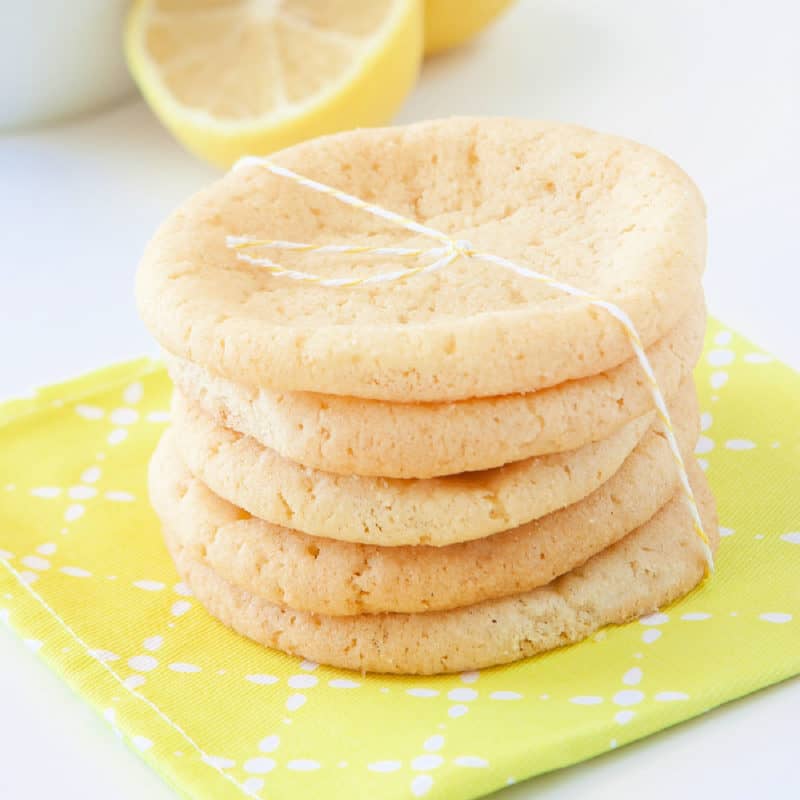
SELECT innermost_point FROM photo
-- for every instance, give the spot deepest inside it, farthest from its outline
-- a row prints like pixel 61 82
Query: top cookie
pixel 601 213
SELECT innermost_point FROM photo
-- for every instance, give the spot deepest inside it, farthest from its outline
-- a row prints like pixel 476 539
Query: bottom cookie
pixel 654 565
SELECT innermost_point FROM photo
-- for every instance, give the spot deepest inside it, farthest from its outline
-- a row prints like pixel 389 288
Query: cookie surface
pixel 652 566
pixel 599 212
pixel 326 576
pixel 350 436
pixel 390 511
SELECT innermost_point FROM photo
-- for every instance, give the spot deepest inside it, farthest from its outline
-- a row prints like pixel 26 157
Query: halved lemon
pixel 236 77
pixel 449 23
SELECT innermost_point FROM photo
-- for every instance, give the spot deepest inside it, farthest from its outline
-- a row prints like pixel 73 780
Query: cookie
pixel 326 576
pixel 391 511
pixel 652 566
pixel 602 213
pixel 350 436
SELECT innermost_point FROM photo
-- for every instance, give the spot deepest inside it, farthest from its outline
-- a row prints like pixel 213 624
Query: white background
pixel 716 85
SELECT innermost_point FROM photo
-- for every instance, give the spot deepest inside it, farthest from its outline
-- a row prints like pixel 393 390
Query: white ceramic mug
pixel 59 58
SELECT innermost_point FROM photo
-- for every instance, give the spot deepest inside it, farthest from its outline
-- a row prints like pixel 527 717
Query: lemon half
pixel 236 77
pixel 449 23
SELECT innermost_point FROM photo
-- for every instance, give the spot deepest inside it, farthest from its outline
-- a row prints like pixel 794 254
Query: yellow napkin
pixel 85 580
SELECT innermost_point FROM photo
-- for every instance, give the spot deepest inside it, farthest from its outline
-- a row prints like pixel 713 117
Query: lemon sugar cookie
pixel 652 566
pixel 602 213
pixel 348 435
pixel 311 573
pixel 390 511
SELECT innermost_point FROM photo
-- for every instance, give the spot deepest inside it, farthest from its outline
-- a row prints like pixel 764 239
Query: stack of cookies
pixel 455 469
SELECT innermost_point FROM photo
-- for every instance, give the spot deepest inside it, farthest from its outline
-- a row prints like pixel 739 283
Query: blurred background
pixel 88 169
pixel 714 85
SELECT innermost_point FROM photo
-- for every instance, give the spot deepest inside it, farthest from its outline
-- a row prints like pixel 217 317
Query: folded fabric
pixel 86 581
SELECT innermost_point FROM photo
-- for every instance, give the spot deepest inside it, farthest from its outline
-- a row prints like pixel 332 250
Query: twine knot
pixel 462 247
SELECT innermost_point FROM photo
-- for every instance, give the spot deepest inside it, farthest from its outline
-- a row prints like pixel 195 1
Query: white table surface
pixel 716 85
